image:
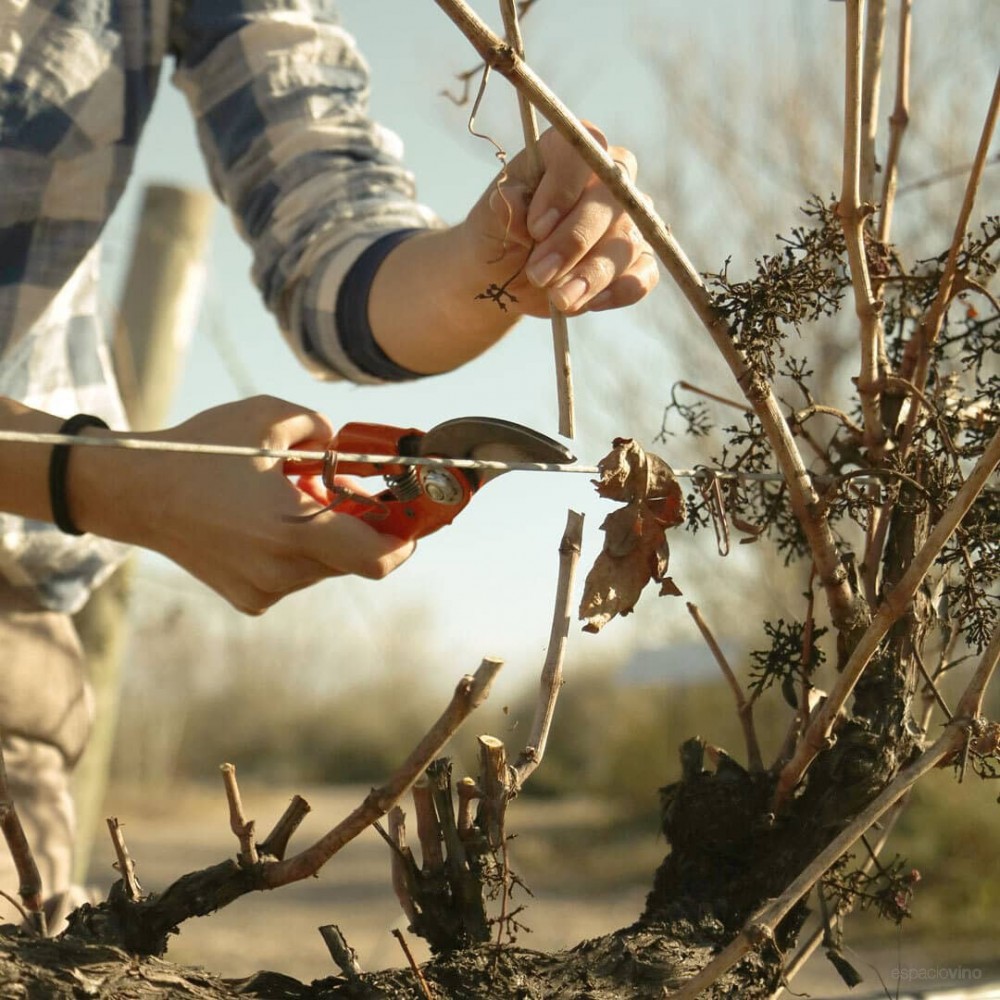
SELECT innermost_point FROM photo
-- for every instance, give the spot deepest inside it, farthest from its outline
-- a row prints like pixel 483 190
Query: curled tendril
pixel 494 292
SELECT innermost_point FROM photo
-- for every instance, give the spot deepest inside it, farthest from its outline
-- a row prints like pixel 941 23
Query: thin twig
pixel 398 935
pixel 466 77
pixel 871 77
pixel 844 906
pixel 496 787
pixel 456 863
pixel 814 409
pixel 744 708
pixel 894 382
pixel 798 722
pixel 806 656
pixel 242 828
pixel 25 916
pixel 340 951
pixel 725 400
pixel 560 329
pixel 873 475
pixel 893 606
pixel 428 827
pixel 916 356
pixel 552 670
pixel 383 833
pixel 502 917
pixel 468 793
pixel 898 121
pixel 930 687
pixel 29 879
pixel 944 175
pixel 871 563
pixel 970 705
pixel 470 693
pixel 853 215
pixel 276 842
pixel 966 284
pixel 125 865
pixel 928 702
pixel 401 863
pixel 845 609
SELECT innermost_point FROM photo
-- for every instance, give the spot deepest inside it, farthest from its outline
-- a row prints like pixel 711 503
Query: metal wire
pixel 142 444
pixel 191 448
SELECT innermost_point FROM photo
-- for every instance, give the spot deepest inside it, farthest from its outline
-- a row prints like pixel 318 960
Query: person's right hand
pixel 236 524
pixel 561 239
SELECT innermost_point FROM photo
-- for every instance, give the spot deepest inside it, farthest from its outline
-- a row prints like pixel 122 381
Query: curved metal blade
pixel 490 439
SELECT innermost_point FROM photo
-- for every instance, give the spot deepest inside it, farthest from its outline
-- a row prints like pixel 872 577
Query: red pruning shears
pixel 419 499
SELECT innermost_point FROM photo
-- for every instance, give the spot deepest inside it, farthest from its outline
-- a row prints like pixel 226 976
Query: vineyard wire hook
pixel 327 475
pixel 330 458
pixel 340 494
pixel 708 483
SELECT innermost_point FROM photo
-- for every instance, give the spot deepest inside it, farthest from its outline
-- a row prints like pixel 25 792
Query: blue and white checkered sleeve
pixel 279 92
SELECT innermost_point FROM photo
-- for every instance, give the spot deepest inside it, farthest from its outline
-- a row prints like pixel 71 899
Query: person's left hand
pixel 567 240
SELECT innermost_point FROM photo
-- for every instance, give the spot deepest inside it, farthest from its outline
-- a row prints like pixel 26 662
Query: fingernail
pixel 541 272
pixel 566 296
pixel 544 224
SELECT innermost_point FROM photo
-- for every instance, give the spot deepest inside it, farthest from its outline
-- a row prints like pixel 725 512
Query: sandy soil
pixel 188 830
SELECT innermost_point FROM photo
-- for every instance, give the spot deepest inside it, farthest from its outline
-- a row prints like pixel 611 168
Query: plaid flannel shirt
pixel 279 94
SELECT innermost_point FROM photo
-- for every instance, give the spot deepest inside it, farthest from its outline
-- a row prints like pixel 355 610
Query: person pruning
pixel 365 284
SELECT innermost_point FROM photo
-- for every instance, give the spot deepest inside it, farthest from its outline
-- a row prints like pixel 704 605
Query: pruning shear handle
pixel 420 499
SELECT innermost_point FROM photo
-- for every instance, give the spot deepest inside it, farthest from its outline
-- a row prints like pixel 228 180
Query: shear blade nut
pixel 441 486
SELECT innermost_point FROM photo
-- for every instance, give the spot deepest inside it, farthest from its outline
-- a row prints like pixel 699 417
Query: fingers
pixel 273 581
pixel 588 254
pixel 586 268
pixel 293 553
pixel 300 428
pixel 265 420
pixel 264 570
pixel 245 529
pixel 253 598
pixel 342 543
pixel 565 181
pixel 632 286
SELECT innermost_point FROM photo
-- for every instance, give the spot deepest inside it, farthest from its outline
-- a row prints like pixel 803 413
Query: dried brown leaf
pixel 629 473
pixel 635 547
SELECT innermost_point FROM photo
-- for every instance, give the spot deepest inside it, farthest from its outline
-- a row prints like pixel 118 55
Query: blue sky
pixel 485 584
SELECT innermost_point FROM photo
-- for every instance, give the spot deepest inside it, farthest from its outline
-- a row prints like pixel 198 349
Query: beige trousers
pixel 46 711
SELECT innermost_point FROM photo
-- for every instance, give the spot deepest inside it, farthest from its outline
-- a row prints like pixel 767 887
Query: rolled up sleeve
pixel 279 92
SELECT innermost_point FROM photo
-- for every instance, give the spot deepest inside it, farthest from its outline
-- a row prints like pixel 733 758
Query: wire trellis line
pixel 702 473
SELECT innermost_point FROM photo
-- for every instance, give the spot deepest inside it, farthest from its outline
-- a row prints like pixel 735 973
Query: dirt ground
pixel 188 830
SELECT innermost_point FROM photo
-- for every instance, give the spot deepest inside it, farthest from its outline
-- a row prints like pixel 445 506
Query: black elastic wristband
pixel 58 464
pixel 356 337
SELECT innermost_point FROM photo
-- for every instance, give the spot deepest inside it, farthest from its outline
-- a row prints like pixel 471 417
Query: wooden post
pixel 161 299
pixel 159 306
